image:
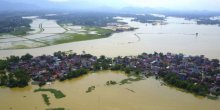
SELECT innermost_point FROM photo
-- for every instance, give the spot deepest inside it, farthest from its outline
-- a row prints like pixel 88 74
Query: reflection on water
pixel 148 95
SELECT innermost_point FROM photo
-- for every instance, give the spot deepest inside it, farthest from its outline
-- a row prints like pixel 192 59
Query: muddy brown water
pixel 148 95
pixel 178 36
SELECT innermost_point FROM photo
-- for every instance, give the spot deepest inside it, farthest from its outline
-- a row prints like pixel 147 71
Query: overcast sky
pixel 167 4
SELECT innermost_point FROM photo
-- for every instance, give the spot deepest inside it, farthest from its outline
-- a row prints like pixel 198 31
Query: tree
pixel 3 64
pixel 117 67
pixel 13 59
pixel 11 80
pixel 18 78
pixel 26 57
pixel 3 78
pixel 215 62
pixel 59 54
pixel 76 73
pixel 97 66
pixel 127 70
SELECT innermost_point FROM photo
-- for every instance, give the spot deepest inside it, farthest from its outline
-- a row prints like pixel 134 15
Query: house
pixel 182 76
pixel 218 79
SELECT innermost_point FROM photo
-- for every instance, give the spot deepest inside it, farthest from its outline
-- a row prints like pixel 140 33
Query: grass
pixel 20 47
pixel 64 38
pixel 21 31
pixel 99 30
pixel 108 83
pixel 212 97
pixel 56 109
pixel 130 80
pixel 101 33
pixel 57 93
pixel 90 89
pixel 77 37
pixel 46 99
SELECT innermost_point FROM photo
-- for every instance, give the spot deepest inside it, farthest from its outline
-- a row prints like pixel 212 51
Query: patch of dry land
pixel 48 32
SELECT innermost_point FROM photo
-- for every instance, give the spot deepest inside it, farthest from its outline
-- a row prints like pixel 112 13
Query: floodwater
pixel 147 94
pixel 43 31
pixel 178 36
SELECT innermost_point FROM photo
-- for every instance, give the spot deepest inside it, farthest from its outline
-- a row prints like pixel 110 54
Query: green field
pixel 101 33
pixel 46 99
pixel 87 34
pixel 56 109
pixel 57 93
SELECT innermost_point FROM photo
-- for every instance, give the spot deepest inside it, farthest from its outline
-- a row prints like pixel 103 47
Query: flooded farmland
pixel 178 36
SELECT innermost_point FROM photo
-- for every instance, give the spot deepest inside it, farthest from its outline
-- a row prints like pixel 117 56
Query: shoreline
pixel 64 66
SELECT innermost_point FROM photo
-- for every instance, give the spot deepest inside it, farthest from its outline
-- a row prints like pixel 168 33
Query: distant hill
pixel 30 5
pixel 9 6
pixel 46 5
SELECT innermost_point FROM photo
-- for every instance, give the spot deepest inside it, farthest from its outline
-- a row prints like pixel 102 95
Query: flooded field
pixel 49 32
pixel 147 94
pixel 178 36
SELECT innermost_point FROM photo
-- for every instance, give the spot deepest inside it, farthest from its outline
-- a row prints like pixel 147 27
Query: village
pixel 119 27
pixel 197 70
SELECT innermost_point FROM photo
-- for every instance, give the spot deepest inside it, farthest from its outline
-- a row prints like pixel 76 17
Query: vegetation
pixel 26 57
pixel 174 80
pixel 117 67
pixel 101 33
pixel 216 91
pixel 84 18
pixel 56 109
pixel 201 17
pixel 90 89
pixel 3 64
pixel 212 97
pixel 208 22
pixel 18 78
pixel 57 93
pixel 15 25
pixel 46 99
pixel 147 18
pixel 3 78
pixel 20 31
pixel 15 78
pixel 74 74
pixel 130 80
pixel 108 83
pixel 13 59
pixel 103 63
pixel 77 37
pixel 12 76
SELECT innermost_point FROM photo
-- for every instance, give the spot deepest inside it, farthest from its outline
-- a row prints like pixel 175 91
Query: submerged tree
pixel 18 78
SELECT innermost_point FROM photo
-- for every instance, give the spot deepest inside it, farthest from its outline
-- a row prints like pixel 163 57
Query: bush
pixel 57 93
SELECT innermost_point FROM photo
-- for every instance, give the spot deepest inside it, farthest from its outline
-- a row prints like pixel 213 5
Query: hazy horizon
pixel 183 5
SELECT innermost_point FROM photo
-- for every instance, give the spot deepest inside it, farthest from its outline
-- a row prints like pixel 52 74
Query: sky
pixel 166 4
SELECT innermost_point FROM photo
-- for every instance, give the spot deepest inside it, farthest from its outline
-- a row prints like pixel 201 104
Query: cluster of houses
pixel 195 68
pixel 198 69
pixel 119 27
pixel 49 68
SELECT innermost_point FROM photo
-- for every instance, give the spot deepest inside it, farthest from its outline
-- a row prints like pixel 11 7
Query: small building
pixel 218 79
